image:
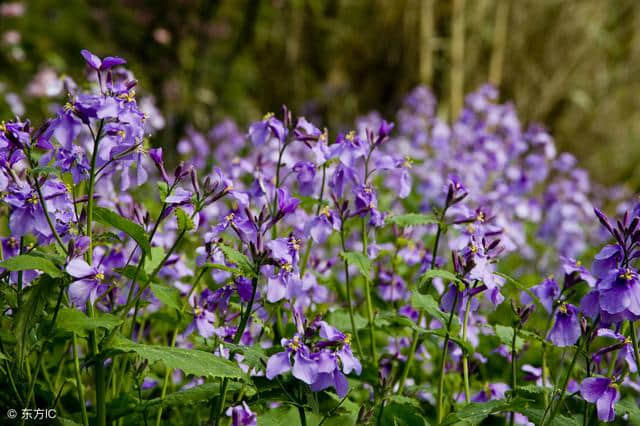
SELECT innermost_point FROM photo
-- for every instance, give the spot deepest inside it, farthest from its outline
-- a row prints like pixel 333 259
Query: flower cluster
pixel 366 276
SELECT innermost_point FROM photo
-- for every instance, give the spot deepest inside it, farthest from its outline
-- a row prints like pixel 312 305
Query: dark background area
pixel 572 65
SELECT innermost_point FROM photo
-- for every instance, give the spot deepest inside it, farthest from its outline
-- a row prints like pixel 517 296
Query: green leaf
pixel 45 170
pixel 130 272
pixel 284 415
pixel 254 356
pixel 185 224
pixel 234 271
pixel 441 273
pixel 135 231
pixel 170 296
pixel 74 320
pixel 362 262
pixel 402 411
pixel 629 406
pixel 475 412
pixel 428 304
pixel 535 416
pixel 505 334
pixel 163 189
pixel 522 287
pixel 190 361
pixel 412 219
pixel 155 260
pixel 340 320
pixel 25 262
pixel 34 301
pixel 239 259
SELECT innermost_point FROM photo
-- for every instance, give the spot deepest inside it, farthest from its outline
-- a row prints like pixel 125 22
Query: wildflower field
pixel 409 271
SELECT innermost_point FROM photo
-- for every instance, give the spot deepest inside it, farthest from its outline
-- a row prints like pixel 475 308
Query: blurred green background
pixel 572 65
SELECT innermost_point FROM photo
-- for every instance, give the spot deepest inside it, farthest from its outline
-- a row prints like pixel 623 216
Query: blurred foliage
pixel 572 65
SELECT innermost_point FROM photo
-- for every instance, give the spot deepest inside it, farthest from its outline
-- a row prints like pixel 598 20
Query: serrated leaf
pixel 362 262
pixel 253 356
pixel 34 301
pixel 130 272
pixel 505 334
pixel 163 189
pixel 522 287
pixel 170 296
pixel 76 321
pixel 154 262
pixel 284 415
pixel 45 170
pixel 475 412
pixel 190 361
pixel 135 231
pixel 629 406
pixel 428 304
pixel 439 273
pixel 107 237
pixel 403 412
pixel 412 219
pixel 234 271
pixel 25 262
pixel 535 416
pixel 239 259
pixel 340 320
pixel 185 224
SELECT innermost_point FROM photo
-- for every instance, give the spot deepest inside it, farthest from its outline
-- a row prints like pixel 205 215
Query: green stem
pixel 634 342
pixel 465 356
pixel 76 367
pixel 101 403
pixel 415 334
pixel 354 330
pixel 514 369
pixel 367 293
pixel 305 257
pixel 236 339
pixel 565 381
pixel 443 362
pixel 41 352
pixel 167 373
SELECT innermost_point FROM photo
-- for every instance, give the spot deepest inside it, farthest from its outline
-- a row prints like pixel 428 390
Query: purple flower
pixel 241 415
pixel 604 393
pixel 305 174
pixel 203 318
pixel 88 283
pixel 321 226
pixel 547 291
pixel 261 132
pixel 566 328
pixel 101 64
pixel 620 291
pixel 303 368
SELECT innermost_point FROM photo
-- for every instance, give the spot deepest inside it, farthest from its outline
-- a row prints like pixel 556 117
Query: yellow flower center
pixel 471 228
pixel 628 275
pixel 99 276
pixel 69 107
pixel 295 343
pixel 33 199
pixel 268 116
pixel 563 308
pixel 287 266
pixel 347 338
pixel 350 136
pixel 3 127
pixel 325 211
pixel 230 217
pixel 408 163
pixel 129 97
pixel 480 217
